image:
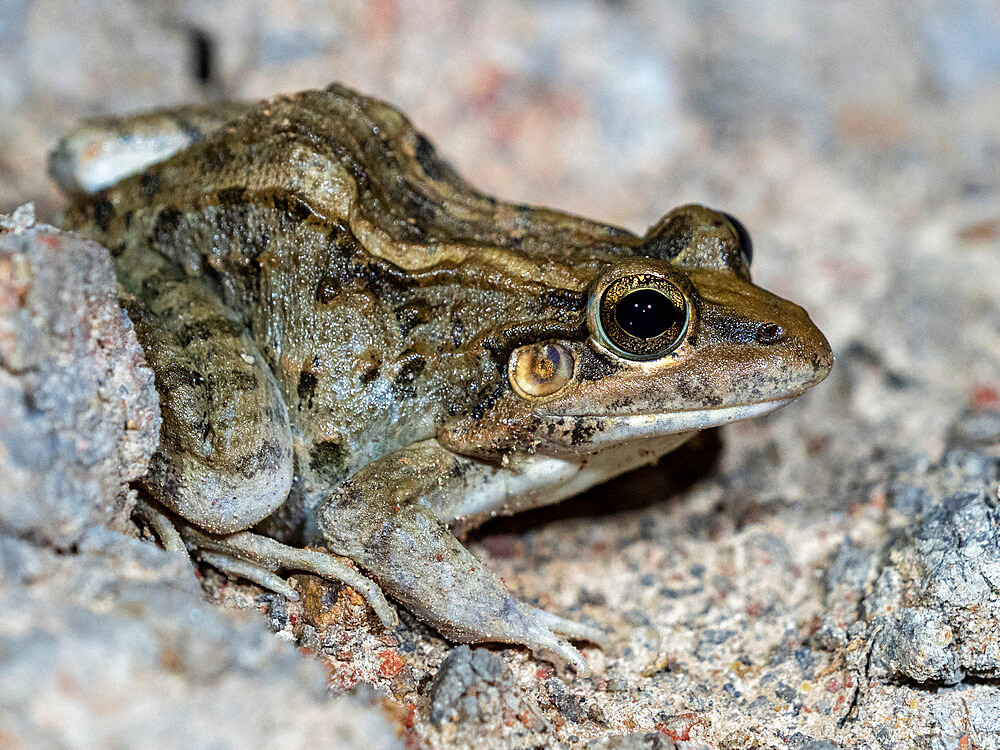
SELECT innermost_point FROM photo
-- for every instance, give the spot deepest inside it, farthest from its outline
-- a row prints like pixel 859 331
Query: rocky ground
pixel 825 577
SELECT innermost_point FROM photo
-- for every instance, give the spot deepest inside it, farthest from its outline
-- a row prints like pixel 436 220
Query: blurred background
pixel 859 142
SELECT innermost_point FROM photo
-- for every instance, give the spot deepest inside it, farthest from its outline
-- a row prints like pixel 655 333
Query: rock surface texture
pixel 79 416
pixel 828 577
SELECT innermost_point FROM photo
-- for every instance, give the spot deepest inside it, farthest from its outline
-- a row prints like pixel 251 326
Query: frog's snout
pixel 824 359
pixel 809 354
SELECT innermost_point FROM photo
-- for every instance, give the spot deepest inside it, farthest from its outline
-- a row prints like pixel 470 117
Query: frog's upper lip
pixel 600 430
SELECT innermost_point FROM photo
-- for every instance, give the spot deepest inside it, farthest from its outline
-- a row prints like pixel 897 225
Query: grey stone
pixel 568 704
pixel 470 686
pixel 117 651
pixel 641 741
pixel 937 609
pixel 78 411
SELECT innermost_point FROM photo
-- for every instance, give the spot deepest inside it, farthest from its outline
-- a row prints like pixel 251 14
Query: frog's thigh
pixel 225 456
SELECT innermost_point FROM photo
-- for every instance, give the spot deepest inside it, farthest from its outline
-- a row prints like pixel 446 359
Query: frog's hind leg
pixel 256 557
pixel 390 518
pixel 101 151
pixel 224 461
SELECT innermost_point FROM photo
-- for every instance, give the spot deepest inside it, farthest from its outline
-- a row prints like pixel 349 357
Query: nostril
pixel 769 333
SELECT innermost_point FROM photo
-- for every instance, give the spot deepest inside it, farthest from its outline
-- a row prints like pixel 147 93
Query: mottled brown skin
pixel 331 312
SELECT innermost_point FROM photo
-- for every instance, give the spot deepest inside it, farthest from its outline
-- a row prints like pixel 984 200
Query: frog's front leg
pixel 391 518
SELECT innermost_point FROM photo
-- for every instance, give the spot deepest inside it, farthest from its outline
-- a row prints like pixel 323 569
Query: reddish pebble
pixel 390 663
pixel 985 397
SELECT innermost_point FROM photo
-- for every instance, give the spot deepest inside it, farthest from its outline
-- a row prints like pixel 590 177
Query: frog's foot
pixel 256 557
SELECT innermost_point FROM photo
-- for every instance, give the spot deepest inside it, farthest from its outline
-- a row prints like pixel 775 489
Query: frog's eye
pixel 643 316
pixel 540 369
pixel 746 244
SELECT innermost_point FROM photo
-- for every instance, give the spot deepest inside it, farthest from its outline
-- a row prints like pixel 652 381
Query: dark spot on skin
pixel 216 155
pixel 410 316
pixel 233 195
pixel 421 211
pixel 196 379
pixel 327 459
pixel 486 400
pixel 267 457
pixel 359 174
pixel 457 332
pixel 307 386
pixel 367 368
pixel 582 434
pixel 326 290
pixel 375 276
pixel 149 184
pixel 428 159
pixel 165 226
pixel 104 211
pixel 128 219
pixel 409 366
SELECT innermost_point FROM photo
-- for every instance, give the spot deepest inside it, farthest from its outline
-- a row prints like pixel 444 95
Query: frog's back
pixel 337 156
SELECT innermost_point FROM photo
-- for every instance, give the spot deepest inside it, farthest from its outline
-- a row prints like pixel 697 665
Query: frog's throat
pixel 594 432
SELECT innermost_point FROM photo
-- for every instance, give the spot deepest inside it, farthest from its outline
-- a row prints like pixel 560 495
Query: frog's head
pixel 677 339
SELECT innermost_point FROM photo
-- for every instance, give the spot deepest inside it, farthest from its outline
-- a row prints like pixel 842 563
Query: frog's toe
pixel 264 578
pixel 547 636
pixel 545 644
pixel 567 628
pixel 160 525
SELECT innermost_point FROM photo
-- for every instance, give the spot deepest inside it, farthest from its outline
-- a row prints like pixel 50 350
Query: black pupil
pixel 646 313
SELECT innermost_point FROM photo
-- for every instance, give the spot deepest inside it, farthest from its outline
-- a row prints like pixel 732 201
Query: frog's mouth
pixel 594 432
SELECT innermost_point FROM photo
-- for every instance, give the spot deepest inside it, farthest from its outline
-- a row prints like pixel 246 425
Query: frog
pixel 360 357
